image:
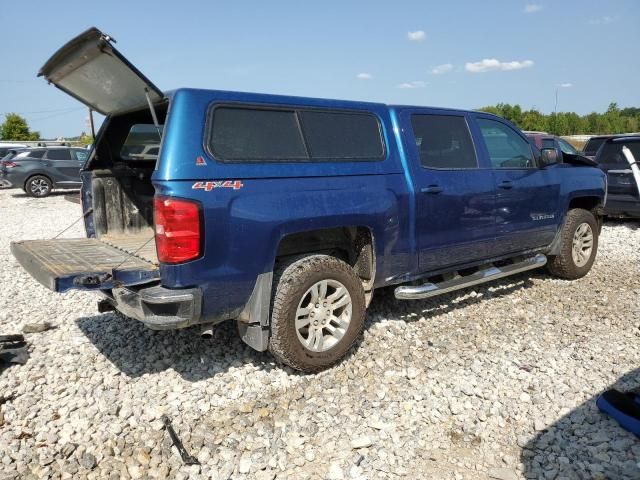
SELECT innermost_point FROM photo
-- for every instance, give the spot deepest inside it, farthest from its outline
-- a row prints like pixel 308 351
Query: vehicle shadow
pixel 585 444
pixel 55 193
pixel 631 223
pixel 135 350
pixel 443 304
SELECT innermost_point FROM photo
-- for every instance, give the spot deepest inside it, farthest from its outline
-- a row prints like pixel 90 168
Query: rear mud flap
pixel 82 263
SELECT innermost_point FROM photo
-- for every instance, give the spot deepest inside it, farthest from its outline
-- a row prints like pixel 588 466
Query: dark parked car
pixel 6 147
pixel 39 170
pixel 594 143
pixel 545 140
pixel 623 197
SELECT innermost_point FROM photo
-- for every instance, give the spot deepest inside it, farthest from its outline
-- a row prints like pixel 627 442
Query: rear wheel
pixel 38 186
pixel 317 313
pixel 579 245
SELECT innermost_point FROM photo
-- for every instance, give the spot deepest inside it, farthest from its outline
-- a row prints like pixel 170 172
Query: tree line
pixel 614 120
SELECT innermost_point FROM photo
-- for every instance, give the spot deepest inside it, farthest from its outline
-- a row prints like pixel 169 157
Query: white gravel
pixel 499 382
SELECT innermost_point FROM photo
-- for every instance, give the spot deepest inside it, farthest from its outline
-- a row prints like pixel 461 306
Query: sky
pixel 454 53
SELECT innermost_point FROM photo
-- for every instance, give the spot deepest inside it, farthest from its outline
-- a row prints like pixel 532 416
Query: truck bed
pixel 141 244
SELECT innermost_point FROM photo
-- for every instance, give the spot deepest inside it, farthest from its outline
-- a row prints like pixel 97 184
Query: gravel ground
pixel 497 382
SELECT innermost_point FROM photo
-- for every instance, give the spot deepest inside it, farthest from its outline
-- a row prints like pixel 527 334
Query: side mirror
pixel 549 156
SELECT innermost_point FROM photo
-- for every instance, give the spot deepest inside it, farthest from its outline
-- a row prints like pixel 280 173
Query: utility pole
pixel 555 114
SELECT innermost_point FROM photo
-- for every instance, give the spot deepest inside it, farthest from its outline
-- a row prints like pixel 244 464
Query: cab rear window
pixel 142 143
pixel 242 134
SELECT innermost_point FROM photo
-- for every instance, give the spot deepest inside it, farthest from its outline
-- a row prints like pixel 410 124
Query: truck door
pixel 455 221
pixel 527 197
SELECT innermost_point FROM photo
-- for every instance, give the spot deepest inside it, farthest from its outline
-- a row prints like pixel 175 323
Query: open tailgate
pixel 90 69
pixel 81 263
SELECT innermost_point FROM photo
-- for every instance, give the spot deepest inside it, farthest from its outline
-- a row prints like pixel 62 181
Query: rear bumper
pixel 623 205
pixel 159 308
pixel 4 183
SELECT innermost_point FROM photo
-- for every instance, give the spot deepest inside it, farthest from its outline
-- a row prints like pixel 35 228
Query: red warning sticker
pixel 200 161
pixel 208 186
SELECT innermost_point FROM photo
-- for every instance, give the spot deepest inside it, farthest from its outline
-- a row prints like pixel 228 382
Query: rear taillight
pixel 177 224
pixel 8 164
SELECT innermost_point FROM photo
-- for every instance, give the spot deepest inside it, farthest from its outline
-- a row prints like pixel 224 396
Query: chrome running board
pixel 486 273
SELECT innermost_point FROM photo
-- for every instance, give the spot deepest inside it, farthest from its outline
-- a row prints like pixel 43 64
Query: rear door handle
pixel 507 184
pixel 431 189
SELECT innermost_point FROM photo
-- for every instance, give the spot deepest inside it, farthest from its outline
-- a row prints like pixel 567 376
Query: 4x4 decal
pixel 208 186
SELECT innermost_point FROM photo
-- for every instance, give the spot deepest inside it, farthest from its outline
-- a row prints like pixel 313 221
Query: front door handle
pixel 507 184
pixel 431 189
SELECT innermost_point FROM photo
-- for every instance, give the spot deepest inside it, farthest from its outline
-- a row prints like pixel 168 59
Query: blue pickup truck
pixel 284 214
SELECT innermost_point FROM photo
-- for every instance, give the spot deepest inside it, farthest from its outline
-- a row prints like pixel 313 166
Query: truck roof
pixel 317 101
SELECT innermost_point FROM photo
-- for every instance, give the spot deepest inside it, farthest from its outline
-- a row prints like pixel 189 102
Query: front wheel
pixel 579 238
pixel 38 186
pixel 317 312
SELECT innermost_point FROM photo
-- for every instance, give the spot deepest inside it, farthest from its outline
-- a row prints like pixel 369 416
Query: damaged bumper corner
pixel 159 308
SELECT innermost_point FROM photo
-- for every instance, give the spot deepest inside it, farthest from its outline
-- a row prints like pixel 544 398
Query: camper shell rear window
pixel 282 134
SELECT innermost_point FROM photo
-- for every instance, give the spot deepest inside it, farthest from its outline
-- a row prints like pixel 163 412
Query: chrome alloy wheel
pixel 582 244
pixel 39 187
pixel 323 315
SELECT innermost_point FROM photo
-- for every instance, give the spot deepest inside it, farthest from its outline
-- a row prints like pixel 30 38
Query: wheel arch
pixel 37 174
pixel 591 203
pixel 353 244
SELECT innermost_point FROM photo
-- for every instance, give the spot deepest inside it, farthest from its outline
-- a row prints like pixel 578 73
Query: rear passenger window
pixel 548 143
pixel 341 135
pixel 35 153
pixel 443 141
pixel 251 134
pixel 239 134
pixel 58 154
pixel 506 148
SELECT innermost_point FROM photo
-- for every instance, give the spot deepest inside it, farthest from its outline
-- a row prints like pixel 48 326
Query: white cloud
pixel 532 8
pixel 440 69
pixel 492 64
pixel 606 20
pixel 566 85
pixel 364 76
pixel 414 84
pixel 417 36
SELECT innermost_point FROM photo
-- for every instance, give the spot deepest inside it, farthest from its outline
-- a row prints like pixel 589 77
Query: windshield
pixel 611 153
pixel 10 154
pixel 566 147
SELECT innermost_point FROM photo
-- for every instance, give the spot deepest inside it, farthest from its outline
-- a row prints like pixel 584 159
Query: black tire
pixel 38 186
pixel 292 279
pixel 564 265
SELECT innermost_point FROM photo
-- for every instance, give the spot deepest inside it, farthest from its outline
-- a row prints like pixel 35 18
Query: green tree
pixel 533 120
pixel 614 120
pixel 16 128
